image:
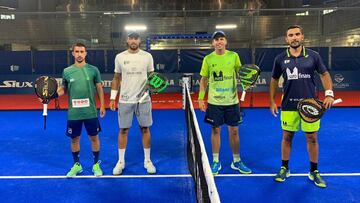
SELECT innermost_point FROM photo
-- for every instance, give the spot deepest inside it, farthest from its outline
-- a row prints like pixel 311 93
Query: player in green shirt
pixel 81 81
pixel 219 70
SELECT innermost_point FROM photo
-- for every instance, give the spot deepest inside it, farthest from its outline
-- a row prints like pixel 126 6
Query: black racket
pixel 311 110
pixel 46 89
pixel 249 74
pixel 155 83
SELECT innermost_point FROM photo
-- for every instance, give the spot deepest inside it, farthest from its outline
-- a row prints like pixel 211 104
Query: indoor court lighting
pixel 8 8
pixel 306 13
pixel 117 13
pixel 226 26
pixel 327 11
pixel 135 27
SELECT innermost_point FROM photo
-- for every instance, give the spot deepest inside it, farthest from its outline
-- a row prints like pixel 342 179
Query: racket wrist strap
pixel 329 93
pixel 201 95
pixel 113 94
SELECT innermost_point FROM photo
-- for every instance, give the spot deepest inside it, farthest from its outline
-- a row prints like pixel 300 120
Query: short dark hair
pixel 78 44
pixel 293 27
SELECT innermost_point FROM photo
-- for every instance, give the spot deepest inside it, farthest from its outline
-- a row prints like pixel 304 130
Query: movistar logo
pixel 294 75
pixel 218 77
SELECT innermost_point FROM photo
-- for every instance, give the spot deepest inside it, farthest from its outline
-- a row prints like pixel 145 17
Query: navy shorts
pixel 217 115
pixel 74 127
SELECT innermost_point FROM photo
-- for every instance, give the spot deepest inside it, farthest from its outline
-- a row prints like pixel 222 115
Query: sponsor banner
pixel 24 84
pixel 346 80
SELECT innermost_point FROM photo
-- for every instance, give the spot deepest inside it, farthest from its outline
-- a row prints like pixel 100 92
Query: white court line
pixel 293 174
pixel 91 176
pixel 171 176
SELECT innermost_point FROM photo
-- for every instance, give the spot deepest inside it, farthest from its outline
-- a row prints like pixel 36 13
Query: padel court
pixel 34 161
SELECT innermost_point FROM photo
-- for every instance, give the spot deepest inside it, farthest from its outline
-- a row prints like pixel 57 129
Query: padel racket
pixel 156 83
pixel 248 74
pixel 311 110
pixel 46 89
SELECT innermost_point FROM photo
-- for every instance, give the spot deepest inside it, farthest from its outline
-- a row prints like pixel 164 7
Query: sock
pixel 147 154
pixel 285 163
pixel 216 157
pixel 236 157
pixel 313 166
pixel 96 156
pixel 121 155
pixel 76 156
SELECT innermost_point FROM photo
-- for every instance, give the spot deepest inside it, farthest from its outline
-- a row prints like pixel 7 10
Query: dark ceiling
pixel 163 5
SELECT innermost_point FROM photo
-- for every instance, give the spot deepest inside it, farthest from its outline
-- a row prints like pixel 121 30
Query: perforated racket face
pixel 310 110
pixel 45 87
pixel 157 82
pixel 249 74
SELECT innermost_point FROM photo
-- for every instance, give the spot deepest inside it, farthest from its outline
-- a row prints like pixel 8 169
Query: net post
pixel 186 83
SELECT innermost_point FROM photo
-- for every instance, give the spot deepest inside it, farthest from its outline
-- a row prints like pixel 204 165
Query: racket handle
pixel 45 114
pixel 337 101
pixel 243 95
pixel 45 109
pixel 45 122
pixel 144 97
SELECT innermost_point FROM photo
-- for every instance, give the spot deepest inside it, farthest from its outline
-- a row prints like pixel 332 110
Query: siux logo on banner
pixel 15 84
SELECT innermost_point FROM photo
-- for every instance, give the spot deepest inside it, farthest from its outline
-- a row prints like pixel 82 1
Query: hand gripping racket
pixel 311 110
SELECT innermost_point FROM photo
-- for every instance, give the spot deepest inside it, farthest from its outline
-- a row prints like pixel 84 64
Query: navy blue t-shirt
pixel 298 73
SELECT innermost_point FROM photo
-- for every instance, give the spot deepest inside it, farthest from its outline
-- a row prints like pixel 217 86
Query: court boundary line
pixel 92 176
pixel 293 174
pixel 166 176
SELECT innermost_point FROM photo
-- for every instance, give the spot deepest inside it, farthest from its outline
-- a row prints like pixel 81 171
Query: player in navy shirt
pixel 298 66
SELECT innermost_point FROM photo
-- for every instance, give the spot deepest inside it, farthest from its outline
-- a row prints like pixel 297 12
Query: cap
pixel 133 34
pixel 218 33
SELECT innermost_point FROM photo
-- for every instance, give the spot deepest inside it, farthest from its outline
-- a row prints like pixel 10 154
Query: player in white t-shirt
pixel 131 70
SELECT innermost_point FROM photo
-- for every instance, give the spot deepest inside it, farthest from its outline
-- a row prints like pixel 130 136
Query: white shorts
pixel 142 111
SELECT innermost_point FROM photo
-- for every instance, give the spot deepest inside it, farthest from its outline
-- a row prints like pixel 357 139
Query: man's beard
pixel 298 44
pixel 134 47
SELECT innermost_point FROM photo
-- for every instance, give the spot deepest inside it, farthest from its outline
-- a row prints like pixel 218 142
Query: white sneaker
pixel 149 166
pixel 118 168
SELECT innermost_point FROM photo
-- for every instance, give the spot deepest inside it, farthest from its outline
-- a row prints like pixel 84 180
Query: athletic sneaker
pixel 240 166
pixel 282 174
pixel 149 166
pixel 76 169
pixel 216 167
pixel 97 170
pixel 118 168
pixel 315 176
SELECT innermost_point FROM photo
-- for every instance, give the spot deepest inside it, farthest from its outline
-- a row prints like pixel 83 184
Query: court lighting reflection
pixel 226 26
pixel 116 13
pixel 135 27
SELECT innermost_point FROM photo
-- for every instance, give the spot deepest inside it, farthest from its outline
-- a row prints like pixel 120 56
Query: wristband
pixel 113 94
pixel 329 93
pixel 201 95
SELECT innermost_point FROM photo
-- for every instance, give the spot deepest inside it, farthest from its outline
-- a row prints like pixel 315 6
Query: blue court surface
pixel 34 161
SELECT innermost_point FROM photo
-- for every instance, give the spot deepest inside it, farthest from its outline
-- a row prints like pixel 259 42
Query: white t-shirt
pixel 133 68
